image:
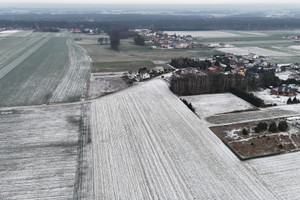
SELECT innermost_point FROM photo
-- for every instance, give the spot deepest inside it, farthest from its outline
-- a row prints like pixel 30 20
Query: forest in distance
pixel 156 22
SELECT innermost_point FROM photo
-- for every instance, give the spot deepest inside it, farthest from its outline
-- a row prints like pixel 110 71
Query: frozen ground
pixel 256 50
pixel 265 113
pixel 272 98
pixel 281 174
pixel 39 152
pixel 211 104
pixel 6 33
pixel 284 75
pixel 148 145
pixel 204 34
pixel 104 83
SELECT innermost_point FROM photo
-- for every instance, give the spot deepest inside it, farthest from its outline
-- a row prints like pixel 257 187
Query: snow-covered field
pixel 211 104
pixel 38 152
pixel 264 113
pixel 148 145
pixel 284 75
pixel 272 98
pixel 204 34
pixel 281 174
pixel 8 32
pixel 104 83
pixel 256 50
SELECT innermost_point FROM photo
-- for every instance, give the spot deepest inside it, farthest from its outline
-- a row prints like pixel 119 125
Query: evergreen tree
pixel 289 101
pixel 273 127
pixel 282 126
pixel 114 36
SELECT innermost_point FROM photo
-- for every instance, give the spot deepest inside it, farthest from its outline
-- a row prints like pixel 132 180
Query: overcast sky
pixel 152 1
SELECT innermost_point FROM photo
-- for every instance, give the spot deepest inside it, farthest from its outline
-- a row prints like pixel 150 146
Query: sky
pixel 152 2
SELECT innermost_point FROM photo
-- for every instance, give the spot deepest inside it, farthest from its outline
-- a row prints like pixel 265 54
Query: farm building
pixel 213 69
pixel 158 69
pixel 285 91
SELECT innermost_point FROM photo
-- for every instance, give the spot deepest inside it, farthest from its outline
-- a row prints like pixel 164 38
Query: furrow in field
pixel 5 70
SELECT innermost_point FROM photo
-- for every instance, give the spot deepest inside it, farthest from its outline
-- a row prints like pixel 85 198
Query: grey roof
pixel 284 89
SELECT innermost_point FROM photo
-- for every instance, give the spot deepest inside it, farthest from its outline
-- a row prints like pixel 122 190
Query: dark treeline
pixel 189 105
pixel 249 97
pixel 188 62
pixel 158 22
pixel 139 40
pixel 212 83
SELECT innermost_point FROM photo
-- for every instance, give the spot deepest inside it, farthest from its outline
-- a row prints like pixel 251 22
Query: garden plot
pixel 256 50
pixel 252 144
pixel 211 104
pixel 73 84
pixel 39 152
pixel 106 83
pixel 272 98
pixel 148 145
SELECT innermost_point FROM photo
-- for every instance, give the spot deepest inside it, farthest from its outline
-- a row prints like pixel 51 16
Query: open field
pixel 72 86
pixel 210 104
pixel 105 83
pixel 121 66
pixel 153 147
pixel 39 152
pixel 251 49
pixel 280 174
pixel 39 66
pixel 262 114
pixel 131 52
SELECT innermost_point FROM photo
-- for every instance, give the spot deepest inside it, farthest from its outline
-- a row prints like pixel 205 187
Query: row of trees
pixel 294 101
pixel 189 105
pixel 139 40
pixel 273 127
pixel 212 83
pixel 249 97
pixel 187 62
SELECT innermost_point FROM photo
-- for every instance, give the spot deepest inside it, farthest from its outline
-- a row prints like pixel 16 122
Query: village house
pixel 158 69
pixel 284 91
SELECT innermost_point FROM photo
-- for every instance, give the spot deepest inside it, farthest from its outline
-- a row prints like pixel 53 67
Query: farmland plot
pixel 211 104
pixel 280 173
pixel 13 49
pixel 270 113
pixel 34 79
pixel 148 145
pixel 73 84
pixel 39 152
pixel 105 83
pixel 256 50
pixel 204 34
